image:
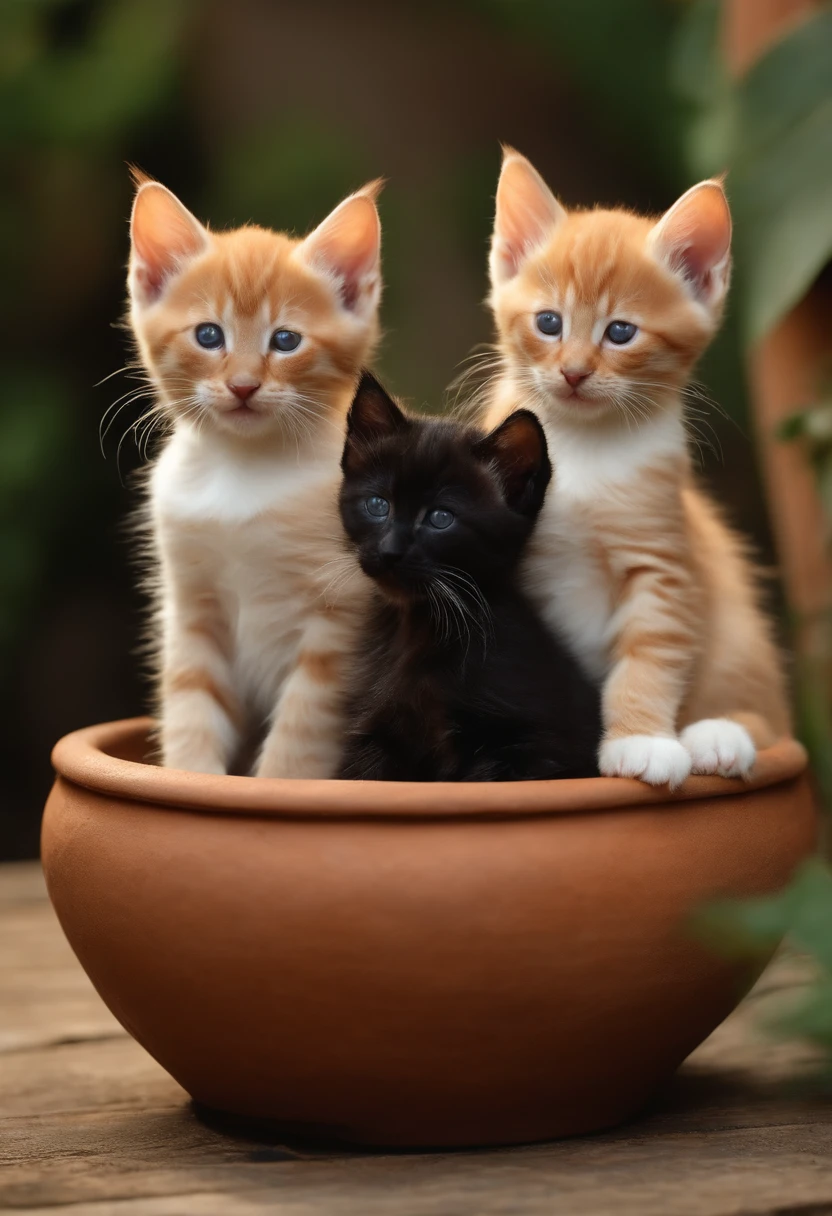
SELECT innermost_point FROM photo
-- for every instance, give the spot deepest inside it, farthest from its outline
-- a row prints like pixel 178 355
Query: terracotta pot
pixel 402 964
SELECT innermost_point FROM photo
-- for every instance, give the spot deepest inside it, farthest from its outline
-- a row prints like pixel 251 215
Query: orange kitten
pixel 601 316
pixel 253 341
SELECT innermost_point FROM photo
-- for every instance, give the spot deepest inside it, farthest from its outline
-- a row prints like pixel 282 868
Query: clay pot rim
pixel 86 758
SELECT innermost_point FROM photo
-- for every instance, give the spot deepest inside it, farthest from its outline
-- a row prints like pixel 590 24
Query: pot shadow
pixel 273 1140
pixel 790 1085
pixel 695 1100
pixel 699 1099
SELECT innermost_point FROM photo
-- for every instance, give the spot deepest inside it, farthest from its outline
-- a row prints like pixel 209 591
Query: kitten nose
pixel 243 389
pixel 391 550
pixel 574 378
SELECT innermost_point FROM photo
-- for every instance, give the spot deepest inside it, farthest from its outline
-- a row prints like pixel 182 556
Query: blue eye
pixel 285 340
pixel 621 332
pixel 439 518
pixel 378 507
pixel 550 323
pixel 209 336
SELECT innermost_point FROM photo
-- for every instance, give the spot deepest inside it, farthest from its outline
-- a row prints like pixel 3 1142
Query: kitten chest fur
pixel 254 533
pixel 567 569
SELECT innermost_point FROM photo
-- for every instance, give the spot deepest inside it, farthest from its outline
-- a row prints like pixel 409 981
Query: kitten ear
pixel 347 248
pixel 518 453
pixel 163 235
pixel 693 239
pixel 527 212
pixel 373 415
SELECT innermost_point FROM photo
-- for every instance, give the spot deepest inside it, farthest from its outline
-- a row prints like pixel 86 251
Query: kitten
pixel 253 343
pixel 601 316
pixel 459 679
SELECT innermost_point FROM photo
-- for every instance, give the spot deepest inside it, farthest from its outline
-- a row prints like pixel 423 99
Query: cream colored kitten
pixel 254 342
pixel 601 316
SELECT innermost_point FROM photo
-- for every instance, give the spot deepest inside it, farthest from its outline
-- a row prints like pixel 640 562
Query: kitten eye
pixel 550 323
pixel 621 332
pixel 378 507
pixel 284 340
pixel 439 518
pixel 210 336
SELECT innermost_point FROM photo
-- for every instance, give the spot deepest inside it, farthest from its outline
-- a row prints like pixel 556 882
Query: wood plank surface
pixel 90 1125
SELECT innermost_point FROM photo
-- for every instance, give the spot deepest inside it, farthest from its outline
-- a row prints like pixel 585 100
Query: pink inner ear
pixel 347 245
pixel 527 211
pixel 164 234
pixel 695 235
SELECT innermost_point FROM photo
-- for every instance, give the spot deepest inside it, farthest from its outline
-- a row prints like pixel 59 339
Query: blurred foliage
pixel 612 51
pixel 88 92
pixel 756 926
pixel 83 85
pixel 771 129
pixel 812 429
pixel 745 928
pixel 74 83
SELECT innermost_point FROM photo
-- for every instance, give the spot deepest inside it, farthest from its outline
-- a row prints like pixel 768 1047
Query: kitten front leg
pixel 200 716
pixel 306 735
pixel 653 656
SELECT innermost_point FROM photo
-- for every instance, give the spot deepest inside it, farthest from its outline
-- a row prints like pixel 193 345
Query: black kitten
pixel 459 680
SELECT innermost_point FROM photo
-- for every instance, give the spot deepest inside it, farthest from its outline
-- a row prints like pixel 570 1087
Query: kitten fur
pixel 458 679
pixel 631 563
pixel 256 602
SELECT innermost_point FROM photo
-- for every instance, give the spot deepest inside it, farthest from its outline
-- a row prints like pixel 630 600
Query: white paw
pixel 656 759
pixel 717 745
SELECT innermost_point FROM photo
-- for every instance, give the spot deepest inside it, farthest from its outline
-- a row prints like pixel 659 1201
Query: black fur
pixel 474 691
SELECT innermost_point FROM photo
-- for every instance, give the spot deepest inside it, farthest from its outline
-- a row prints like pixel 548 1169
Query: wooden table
pixel 90 1125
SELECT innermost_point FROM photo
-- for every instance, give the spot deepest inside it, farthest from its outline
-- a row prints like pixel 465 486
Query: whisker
pixel 470 390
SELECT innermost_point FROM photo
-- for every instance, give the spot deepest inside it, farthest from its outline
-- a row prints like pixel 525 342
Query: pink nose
pixel 243 391
pixel 573 379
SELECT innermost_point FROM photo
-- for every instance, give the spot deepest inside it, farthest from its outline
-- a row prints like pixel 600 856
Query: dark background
pixel 271 112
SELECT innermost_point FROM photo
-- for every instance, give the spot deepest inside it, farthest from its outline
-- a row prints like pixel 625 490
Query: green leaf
pixel 803 910
pixel 698 73
pixel 809 903
pixel 696 70
pixel 739 929
pixel 711 137
pixel 774 129
pixel 815 719
pixel 814 422
pixel 782 204
pixel 811 1018
pixel 793 427
pixel 789 82
pixel 781 183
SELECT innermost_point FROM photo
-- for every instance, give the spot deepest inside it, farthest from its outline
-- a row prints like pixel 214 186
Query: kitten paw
pixel 717 745
pixel 655 759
